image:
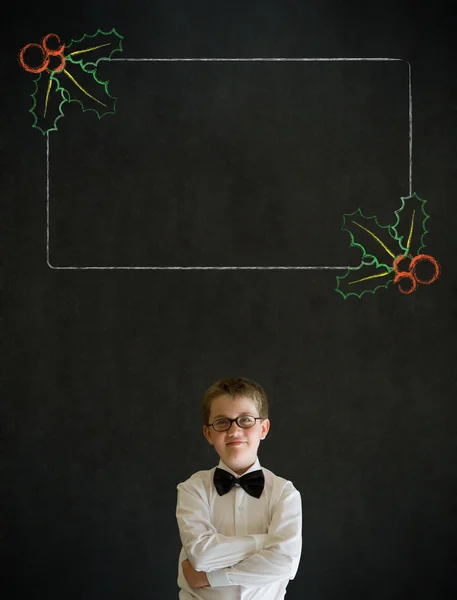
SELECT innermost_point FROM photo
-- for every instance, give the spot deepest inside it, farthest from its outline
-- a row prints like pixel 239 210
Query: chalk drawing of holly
pixel 390 253
pixel 68 73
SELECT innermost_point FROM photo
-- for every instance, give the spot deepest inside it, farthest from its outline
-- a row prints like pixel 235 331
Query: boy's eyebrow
pixel 225 416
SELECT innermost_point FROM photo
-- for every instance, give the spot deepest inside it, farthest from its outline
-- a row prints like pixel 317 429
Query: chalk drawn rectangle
pixel 229 164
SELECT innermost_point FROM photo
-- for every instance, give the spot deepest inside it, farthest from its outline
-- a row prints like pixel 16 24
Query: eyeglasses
pixel 245 422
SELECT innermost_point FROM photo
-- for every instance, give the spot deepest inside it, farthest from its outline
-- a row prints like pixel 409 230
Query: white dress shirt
pixel 249 547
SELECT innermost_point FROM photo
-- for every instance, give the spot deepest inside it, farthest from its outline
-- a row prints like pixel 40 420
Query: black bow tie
pixel 253 482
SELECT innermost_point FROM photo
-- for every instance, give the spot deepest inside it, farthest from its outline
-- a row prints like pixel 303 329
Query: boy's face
pixel 242 455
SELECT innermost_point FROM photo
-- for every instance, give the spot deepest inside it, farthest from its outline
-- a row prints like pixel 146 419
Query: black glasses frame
pixel 236 421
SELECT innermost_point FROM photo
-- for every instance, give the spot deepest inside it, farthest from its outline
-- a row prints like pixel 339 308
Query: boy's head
pixel 235 443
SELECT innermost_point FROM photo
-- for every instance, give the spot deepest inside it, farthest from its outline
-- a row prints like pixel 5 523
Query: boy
pixel 240 524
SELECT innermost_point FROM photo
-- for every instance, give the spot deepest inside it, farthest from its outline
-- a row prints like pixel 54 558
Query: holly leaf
pixel 89 50
pixel 83 84
pixel 88 90
pixel 367 277
pixel 409 228
pixel 48 99
pixel 375 241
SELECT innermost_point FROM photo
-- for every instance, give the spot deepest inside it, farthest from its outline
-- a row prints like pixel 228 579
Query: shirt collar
pixel 254 467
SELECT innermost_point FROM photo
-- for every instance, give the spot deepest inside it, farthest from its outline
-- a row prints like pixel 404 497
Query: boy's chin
pixel 239 458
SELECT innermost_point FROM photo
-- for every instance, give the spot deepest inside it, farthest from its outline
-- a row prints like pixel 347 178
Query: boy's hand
pixel 196 579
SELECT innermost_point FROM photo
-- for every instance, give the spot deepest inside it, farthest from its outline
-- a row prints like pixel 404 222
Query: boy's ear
pixel 207 434
pixel 265 428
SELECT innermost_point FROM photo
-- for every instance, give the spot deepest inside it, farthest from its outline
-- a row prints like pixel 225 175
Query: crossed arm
pixel 253 560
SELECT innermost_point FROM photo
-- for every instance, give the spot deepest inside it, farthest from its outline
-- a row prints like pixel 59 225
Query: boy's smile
pixel 237 447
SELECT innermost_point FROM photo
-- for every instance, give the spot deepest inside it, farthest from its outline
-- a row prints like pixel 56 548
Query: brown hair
pixel 235 386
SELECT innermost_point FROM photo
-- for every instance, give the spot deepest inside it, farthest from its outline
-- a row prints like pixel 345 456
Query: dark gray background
pixel 103 371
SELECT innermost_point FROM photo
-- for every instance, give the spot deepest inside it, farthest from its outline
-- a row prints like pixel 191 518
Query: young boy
pixel 239 523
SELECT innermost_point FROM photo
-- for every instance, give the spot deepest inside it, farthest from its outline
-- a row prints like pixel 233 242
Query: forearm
pixel 261 569
pixel 213 552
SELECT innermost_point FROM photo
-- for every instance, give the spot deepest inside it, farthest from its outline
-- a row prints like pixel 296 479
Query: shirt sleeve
pixel 280 555
pixel 205 548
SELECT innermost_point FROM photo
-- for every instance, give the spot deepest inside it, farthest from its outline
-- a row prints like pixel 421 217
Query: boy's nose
pixel 235 425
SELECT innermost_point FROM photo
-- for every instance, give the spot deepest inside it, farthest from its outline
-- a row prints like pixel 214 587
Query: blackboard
pixel 198 233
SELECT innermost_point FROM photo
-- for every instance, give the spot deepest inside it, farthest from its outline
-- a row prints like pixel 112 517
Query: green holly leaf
pixel 89 50
pixel 409 228
pixel 83 83
pixel 375 241
pixel 88 90
pixel 369 276
pixel 48 99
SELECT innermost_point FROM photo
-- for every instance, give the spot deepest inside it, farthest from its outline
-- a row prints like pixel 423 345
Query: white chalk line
pixel 410 123
pixel 259 59
pixel 234 267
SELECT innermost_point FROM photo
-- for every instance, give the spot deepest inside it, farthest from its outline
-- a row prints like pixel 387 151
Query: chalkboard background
pixel 228 164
